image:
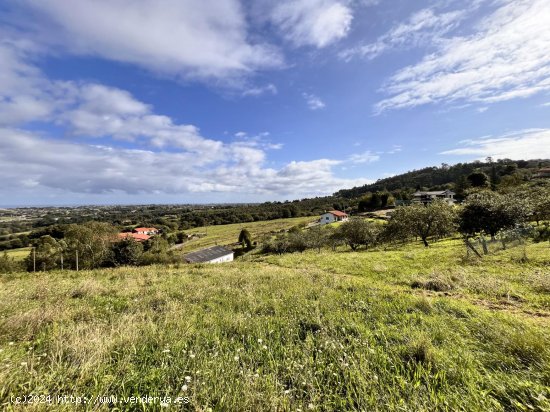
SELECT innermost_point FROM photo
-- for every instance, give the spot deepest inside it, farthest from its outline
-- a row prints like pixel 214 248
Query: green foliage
pixel 436 219
pixel 245 239
pixel 358 232
pixel 91 242
pixel 8 264
pixel 478 179
pixel 488 212
pixel 45 256
pixel 125 252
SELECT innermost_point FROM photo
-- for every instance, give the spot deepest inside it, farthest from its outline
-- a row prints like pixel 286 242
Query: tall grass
pixel 331 331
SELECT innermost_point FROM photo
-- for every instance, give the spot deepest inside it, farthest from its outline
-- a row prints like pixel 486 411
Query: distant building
pixel 543 173
pixel 140 237
pixel 333 216
pixel 428 197
pixel 215 254
pixel 146 231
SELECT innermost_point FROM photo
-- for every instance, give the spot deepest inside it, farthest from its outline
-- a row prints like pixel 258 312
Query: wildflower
pixel 287 392
pixel 184 388
pixel 192 355
pixel 264 347
pixel 260 341
pixel 11 344
pixel 166 351
pixel 236 358
pixel 256 375
pixel 23 363
pixel 188 379
pixel 311 406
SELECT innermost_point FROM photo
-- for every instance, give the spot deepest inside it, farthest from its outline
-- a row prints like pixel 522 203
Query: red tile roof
pixel 338 213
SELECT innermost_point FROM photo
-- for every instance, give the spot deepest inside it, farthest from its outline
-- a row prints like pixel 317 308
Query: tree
pixel 45 254
pixel 126 252
pixel 7 264
pixel 489 212
pixel 478 179
pixel 297 242
pixel 245 239
pixel 435 219
pixel 357 232
pixel 91 242
pixel 317 237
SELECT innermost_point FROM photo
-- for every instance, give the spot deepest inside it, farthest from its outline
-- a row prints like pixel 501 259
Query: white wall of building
pixel 226 258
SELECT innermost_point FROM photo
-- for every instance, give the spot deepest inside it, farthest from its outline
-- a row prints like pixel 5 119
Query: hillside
pixel 445 176
pixel 408 329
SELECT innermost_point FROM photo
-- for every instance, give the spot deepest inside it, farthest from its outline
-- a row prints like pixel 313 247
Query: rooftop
pixel 206 255
pixel 337 213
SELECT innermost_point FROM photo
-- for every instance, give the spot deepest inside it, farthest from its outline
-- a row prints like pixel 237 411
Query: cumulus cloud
pixel 197 38
pixel 312 22
pixel 422 27
pixel 158 154
pixel 506 58
pixel 523 144
pixel 30 160
pixel 313 102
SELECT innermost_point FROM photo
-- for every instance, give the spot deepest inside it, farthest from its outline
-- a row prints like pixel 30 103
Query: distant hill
pixel 447 176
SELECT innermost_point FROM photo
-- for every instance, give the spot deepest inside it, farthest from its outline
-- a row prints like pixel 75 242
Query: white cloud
pixel 29 160
pixel 196 38
pixel 158 156
pixel 260 90
pixel 523 144
pixel 424 26
pixel 365 157
pixel 506 58
pixel 313 102
pixel 312 22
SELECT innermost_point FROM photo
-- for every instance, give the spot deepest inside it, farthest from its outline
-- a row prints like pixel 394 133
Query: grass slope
pixel 331 331
pixel 19 254
pixel 229 234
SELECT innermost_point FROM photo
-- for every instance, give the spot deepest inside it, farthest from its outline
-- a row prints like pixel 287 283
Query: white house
pixel 333 216
pixel 214 254
pixel 146 231
pixel 428 197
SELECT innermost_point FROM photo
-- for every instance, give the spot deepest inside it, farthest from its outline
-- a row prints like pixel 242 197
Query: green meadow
pixel 403 329
pixel 229 234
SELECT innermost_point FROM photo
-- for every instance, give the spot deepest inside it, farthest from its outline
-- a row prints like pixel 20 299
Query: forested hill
pixel 446 176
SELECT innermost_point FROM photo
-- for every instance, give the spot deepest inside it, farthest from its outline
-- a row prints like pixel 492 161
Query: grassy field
pixel 410 329
pixel 228 234
pixel 19 254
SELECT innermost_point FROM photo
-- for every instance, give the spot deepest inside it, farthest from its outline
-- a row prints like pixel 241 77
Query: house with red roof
pixel 333 216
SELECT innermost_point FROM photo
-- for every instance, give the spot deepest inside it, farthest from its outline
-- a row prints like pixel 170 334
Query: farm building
pixel 215 254
pixel 146 231
pixel 428 197
pixel 333 216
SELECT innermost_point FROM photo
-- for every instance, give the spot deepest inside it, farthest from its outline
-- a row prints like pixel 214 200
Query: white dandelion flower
pixel 188 379
pixel 184 388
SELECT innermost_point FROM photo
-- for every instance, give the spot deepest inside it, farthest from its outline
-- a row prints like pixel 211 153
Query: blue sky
pixel 199 101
